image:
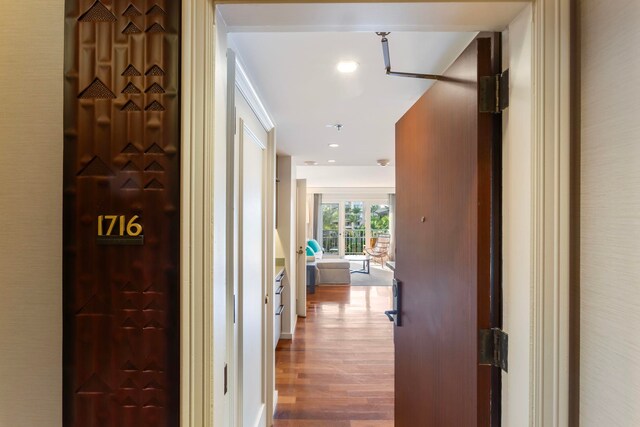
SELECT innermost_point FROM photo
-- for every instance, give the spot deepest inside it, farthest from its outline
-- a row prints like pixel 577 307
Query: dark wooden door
pixel 444 154
pixel 121 342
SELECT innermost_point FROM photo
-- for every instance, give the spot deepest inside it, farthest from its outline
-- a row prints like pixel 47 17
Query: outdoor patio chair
pixel 380 250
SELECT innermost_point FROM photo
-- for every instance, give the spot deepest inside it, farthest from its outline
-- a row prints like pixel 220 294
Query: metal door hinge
pixel 494 93
pixel 493 347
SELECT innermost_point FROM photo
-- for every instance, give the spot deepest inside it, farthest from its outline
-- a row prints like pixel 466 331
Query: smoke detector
pixel 383 162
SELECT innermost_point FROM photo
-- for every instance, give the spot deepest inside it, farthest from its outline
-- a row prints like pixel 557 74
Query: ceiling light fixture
pixel 347 66
pixel 310 162
pixel 331 161
pixel 334 145
pixel 383 162
pixel 338 126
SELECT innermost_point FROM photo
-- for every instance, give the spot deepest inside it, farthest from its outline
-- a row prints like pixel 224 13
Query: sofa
pixel 329 271
pixel 333 272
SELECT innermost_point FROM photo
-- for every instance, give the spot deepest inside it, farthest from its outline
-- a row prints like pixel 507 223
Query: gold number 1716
pixel 132 228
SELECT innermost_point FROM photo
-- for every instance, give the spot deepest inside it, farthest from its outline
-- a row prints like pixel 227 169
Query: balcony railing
pixel 330 242
pixel 354 241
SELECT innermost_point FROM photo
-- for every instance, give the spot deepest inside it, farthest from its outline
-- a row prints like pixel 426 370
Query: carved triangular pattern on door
pixel 96 90
pixel 96 167
pixel 131 10
pixel 98 12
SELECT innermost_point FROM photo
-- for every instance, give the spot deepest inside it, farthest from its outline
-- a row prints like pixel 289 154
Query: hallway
pixel 338 369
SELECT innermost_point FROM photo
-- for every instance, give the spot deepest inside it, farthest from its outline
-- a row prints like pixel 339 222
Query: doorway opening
pixel 351 216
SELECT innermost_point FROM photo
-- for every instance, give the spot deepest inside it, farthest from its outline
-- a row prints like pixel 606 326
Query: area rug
pixel 378 277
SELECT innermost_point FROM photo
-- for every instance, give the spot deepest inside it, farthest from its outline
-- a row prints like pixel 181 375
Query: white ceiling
pixel 290 52
pixel 295 75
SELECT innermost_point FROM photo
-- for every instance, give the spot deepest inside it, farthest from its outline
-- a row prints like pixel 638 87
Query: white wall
pixel 348 176
pixel 345 192
pixel 610 213
pixel 286 234
pixel 517 219
pixel 31 139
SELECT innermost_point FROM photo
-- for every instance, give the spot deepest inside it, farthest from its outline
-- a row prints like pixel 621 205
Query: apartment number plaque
pixel 119 230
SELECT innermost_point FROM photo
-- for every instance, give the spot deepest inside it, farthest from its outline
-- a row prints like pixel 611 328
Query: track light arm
pixel 387 62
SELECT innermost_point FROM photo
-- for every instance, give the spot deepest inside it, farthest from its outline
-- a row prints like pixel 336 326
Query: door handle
pixel 299 251
pixel 394 315
pixel 391 314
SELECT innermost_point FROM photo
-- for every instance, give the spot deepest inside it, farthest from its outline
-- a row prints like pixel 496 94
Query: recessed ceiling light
pixel 310 163
pixel 334 145
pixel 347 66
pixel 331 161
pixel 382 162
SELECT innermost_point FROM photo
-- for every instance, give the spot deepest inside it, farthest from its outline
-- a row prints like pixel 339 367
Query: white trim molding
pixel 197 295
pixel 551 186
pixel 246 130
pixel 246 88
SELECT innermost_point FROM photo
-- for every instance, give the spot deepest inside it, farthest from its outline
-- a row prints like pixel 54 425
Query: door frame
pixel 301 242
pixel 203 349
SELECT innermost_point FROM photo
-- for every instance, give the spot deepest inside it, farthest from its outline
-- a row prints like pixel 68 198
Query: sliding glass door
pixel 348 226
pixel 331 228
pixel 354 228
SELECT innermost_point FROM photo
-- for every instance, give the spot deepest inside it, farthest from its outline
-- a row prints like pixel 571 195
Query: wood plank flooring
pixel 338 369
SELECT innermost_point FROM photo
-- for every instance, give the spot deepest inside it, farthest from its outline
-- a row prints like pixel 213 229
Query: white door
pixel 301 238
pixel 251 314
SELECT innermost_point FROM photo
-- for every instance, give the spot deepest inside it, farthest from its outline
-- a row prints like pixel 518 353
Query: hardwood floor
pixel 338 369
